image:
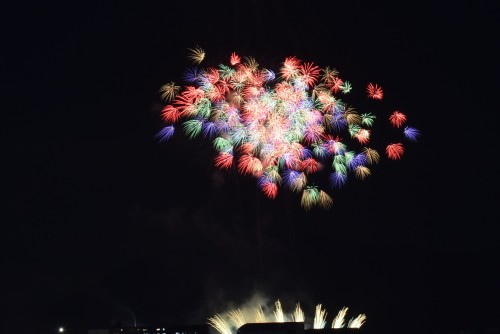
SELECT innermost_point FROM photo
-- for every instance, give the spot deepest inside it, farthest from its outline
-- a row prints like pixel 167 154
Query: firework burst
pixel 281 129
pixel 169 91
pixel 196 54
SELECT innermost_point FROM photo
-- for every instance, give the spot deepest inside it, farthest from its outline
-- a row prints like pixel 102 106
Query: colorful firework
pixel 281 129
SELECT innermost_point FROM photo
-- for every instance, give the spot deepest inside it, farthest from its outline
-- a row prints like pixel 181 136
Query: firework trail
pixel 278 312
pixel 319 317
pixel 298 314
pixel 237 318
pixel 338 321
pixel 260 316
pixel 220 324
pixel 357 322
pixel 281 128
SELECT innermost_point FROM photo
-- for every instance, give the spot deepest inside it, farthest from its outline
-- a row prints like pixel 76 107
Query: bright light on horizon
pixel 230 321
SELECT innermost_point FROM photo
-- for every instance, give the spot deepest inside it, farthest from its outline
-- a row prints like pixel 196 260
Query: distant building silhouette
pixel 180 329
pixel 291 328
pixel 272 328
pixel 249 328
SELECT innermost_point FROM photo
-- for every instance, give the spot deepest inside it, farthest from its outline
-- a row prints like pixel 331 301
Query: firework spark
pixel 219 324
pixel 196 54
pixel 319 317
pixel 169 91
pixel 278 312
pixel 395 151
pixel 357 322
pixel 237 318
pixel 397 118
pixel 280 129
pixel 260 316
pixel 312 196
pixel 338 321
pixel 298 314
pixel 411 133
pixel 232 320
pixel 375 91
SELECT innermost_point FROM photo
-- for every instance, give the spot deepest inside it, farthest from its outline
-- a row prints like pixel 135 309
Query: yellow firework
pixel 169 91
pixel 196 54
pixel 372 156
pixel 325 201
pixel 362 172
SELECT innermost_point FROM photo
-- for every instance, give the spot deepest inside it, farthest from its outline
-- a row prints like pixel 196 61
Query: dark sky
pixel 104 225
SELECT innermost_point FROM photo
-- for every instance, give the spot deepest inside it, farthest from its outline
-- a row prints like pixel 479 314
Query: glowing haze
pixel 281 128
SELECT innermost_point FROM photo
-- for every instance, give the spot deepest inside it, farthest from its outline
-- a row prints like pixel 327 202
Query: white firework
pixel 298 314
pixel 357 322
pixel 237 318
pixel 278 313
pixel 218 322
pixel 260 315
pixel 338 321
pixel 319 317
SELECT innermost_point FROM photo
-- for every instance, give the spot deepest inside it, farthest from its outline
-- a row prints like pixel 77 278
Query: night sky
pixel 106 226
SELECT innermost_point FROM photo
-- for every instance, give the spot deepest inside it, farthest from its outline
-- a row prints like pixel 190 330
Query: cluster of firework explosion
pixel 281 128
pixel 227 322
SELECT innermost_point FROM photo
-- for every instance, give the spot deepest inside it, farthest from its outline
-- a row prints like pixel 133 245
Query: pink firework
pixel 234 59
pixel 394 151
pixel 375 91
pixel 397 119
